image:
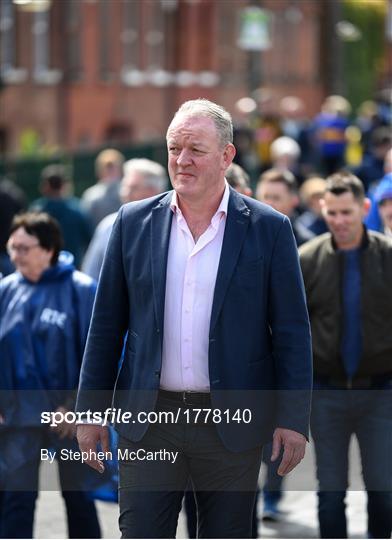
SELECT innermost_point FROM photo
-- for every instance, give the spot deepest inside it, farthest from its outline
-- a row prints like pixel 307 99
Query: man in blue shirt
pixel 56 200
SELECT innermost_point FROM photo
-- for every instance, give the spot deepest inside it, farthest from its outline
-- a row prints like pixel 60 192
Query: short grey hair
pixel 221 118
pixel 154 174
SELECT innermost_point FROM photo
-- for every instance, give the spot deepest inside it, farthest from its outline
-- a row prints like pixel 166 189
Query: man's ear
pixel 323 207
pixel 228 154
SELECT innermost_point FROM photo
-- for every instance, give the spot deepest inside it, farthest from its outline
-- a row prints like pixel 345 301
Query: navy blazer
pixel 259 341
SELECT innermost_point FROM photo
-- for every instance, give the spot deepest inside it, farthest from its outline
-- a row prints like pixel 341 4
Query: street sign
pixel 254 32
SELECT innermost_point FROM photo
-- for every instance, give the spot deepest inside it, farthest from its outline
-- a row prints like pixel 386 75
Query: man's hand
pixel 294 449
pixel 88 437
pixel 64 429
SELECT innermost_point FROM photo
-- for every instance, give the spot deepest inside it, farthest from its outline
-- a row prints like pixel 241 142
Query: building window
pixel 41 42
pixel 163 35
pixel 132 73
pixel 144 45
pixel 9 72
pixel 154 37
pixel 42 72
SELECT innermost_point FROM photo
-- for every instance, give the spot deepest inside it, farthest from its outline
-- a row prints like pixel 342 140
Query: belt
pixel 360 383
pixel 187 398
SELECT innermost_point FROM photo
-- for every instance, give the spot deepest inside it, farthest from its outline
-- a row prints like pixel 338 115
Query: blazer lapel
pixel 236 226
pixel 160 235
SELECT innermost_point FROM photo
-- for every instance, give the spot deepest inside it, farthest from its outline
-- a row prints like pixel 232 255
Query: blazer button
pixel 157 374
pixel 157 330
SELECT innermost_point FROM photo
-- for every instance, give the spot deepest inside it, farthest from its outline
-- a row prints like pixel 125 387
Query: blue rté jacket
pixel 43 330
pixel 259 340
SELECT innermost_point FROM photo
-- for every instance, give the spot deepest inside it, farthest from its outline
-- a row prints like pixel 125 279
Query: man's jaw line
pixel 345 241
pixel 203 204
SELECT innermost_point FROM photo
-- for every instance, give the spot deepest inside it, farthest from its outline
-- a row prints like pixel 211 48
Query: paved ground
pixel 298 521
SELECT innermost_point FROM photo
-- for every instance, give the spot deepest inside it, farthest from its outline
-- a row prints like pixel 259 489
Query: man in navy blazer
pixel 204 286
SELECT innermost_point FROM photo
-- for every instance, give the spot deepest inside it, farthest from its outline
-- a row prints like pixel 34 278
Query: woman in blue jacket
pixel 45 310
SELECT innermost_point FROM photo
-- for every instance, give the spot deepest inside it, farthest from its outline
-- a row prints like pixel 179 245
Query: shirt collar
pixel 221 211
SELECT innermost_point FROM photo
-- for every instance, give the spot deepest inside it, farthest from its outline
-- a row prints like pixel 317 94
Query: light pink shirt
pixel 190 283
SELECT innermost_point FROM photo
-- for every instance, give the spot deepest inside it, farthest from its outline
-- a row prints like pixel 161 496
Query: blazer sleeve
pixel 290 330
pixel 107 329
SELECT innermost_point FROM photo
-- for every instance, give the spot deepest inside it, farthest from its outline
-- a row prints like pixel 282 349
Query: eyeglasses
pixel 23 250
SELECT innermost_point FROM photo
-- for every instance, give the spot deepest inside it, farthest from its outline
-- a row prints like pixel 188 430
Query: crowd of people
pixel 279 137
pixel 337 198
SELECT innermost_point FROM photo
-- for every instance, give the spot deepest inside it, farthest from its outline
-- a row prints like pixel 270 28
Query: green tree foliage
pixel 364 58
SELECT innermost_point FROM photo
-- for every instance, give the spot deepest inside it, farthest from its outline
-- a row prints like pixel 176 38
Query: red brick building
pixel 84 73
